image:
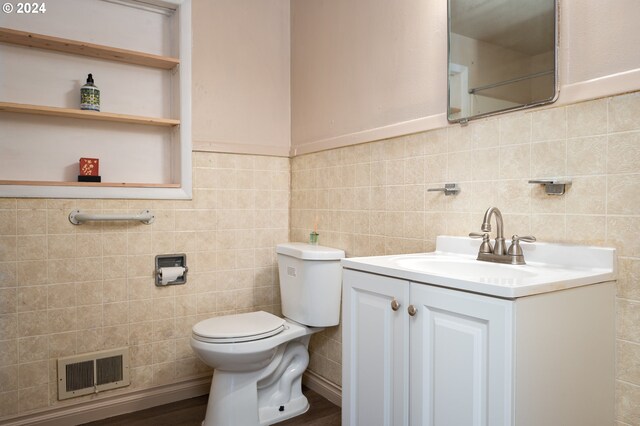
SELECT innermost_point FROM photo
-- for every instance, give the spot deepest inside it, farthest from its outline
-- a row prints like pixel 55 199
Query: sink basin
pixel 460 266
pixel 550 267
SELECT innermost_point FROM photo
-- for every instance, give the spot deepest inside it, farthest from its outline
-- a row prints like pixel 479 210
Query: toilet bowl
pixel 247 366
pixel 259 358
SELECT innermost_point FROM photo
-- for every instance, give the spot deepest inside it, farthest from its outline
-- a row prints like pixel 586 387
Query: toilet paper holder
pixel 164 261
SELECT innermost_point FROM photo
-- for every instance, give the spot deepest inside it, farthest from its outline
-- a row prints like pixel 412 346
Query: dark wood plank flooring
pixel 191 412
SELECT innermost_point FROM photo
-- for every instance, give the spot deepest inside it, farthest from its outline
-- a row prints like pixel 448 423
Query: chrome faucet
pixel 498 253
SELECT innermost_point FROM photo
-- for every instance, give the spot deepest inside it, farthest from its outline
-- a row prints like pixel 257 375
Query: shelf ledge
pixel 86 115
pixel 97 184
pixel 81 48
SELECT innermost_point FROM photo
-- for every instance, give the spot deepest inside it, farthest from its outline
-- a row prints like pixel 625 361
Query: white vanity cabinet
pixel 375 350
pixel 459 358
pixel 466 359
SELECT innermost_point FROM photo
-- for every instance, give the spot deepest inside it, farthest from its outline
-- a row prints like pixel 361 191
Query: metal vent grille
pixel 109 369
pixel 93 372
pixel 79 375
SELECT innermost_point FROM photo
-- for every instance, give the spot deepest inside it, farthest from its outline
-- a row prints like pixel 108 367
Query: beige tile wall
pixel 68 289
pixel 371 199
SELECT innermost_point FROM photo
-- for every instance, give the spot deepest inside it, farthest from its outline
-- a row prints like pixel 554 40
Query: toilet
pixel 258 358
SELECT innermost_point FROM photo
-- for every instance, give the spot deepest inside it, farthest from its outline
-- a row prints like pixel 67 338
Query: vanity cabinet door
pixel 460 359
pixel 375 357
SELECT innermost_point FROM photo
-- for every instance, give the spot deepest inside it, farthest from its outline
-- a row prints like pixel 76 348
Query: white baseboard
pixel 323 387
pixel 146 398
pixel 114 405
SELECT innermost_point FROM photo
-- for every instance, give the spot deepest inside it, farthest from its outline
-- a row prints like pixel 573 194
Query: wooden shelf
pixel 41 41
pixel 86 115
pixel 98 184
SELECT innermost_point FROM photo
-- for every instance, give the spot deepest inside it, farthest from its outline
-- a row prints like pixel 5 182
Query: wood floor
pixel 190 412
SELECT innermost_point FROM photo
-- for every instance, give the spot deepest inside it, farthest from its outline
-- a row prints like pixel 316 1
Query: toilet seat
pixel 238 328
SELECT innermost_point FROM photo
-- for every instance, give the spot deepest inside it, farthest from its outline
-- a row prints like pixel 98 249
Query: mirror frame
pixel 556 84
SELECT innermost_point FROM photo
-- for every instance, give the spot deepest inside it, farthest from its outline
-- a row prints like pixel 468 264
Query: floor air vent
pixel 93 372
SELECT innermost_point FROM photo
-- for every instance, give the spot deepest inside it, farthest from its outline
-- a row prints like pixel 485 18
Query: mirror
pixel 502 56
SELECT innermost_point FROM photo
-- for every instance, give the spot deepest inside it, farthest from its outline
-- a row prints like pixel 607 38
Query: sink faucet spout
pixel 499 247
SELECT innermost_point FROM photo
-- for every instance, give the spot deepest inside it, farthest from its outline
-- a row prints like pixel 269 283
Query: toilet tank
pixel 310 283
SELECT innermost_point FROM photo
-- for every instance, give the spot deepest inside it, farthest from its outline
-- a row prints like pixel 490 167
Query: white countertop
pixel 550 267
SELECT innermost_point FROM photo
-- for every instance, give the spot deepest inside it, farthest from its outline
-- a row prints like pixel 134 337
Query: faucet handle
pixel 485 247
pixel 478 234
pixel 514 248
pixel 526 238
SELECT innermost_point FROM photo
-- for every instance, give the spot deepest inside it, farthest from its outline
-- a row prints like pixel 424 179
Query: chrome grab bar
pixel 77 217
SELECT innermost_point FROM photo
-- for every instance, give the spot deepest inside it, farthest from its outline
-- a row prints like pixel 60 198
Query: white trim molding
pixel 323 387
pixel 601 87
pixel 102 408
pixel 240 148
pixel 393 130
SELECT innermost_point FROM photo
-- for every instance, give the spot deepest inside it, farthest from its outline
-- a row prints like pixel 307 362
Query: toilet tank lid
pixel 309 251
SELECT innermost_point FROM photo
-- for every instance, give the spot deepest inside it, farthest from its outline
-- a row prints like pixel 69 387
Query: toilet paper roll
pixel 169 274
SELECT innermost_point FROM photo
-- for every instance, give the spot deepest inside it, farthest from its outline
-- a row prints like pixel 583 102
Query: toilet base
pixel 271 415
pixel 265 396
pixel 295 407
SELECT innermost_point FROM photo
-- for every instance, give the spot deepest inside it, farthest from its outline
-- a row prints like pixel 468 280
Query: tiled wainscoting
pixel 67 289
pixel 372 199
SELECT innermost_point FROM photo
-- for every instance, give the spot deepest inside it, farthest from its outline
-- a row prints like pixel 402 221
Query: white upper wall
pixel 370 69
pixel 599 38
pixel 365 64
pixel 270 75
pixel 241 63
pixel 98 22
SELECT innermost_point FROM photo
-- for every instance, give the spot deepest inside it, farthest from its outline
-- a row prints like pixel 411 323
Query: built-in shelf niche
pixel 180 186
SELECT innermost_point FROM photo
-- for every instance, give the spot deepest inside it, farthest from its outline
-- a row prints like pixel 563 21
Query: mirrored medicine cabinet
pixel 502 56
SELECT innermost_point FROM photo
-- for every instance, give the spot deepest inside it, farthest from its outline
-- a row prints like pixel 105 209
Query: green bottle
pixel 90 96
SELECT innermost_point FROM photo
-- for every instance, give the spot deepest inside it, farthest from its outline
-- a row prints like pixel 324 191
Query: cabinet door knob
pixel 395 305
pixel 412 310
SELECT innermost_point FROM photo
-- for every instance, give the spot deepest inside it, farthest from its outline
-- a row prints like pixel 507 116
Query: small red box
pixel 89 167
